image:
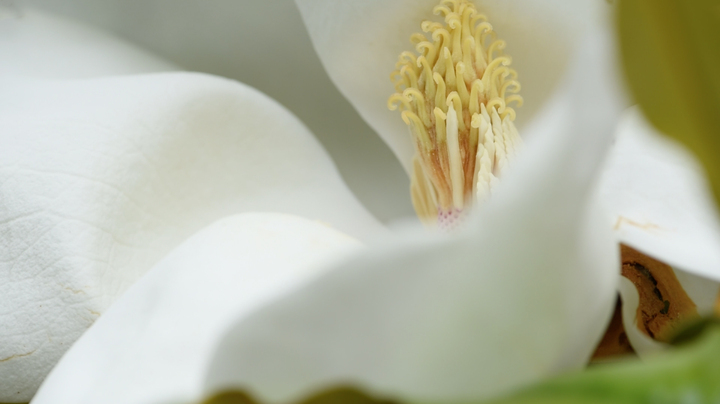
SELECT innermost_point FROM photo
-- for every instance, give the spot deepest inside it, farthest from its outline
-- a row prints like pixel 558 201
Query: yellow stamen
pixel 454 95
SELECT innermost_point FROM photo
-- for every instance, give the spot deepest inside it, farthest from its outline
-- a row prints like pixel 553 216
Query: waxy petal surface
pixel 153 345
pixel 101 178
pixel 660 201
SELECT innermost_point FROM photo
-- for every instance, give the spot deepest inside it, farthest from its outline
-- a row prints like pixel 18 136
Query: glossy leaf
pixel 671 57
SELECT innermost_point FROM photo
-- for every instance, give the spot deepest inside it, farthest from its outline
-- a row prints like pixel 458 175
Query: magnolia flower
pixel 650 189
pixel 255 301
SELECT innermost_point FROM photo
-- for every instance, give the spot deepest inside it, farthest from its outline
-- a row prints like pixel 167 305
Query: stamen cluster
pixel 455 95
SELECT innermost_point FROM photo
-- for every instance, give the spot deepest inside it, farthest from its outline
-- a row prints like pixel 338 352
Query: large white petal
pixel 100 178
pixel 660 201
pixel 524 293
pixel 153 344
pixel 35 44
pixel 359 43
pixel 265 45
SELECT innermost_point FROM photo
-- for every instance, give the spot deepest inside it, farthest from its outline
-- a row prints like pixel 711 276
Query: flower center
pixel 454 94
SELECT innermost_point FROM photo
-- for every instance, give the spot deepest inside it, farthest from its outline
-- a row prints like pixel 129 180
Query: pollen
pixel 456 94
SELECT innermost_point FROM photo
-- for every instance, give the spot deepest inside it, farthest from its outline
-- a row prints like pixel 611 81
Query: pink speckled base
pixel 449 220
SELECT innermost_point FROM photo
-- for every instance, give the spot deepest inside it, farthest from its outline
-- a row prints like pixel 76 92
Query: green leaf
pixel 671 58
pixel 686 375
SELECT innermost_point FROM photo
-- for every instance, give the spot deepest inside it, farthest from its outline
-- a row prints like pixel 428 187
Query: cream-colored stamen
pixel 455 97
pixel 456 171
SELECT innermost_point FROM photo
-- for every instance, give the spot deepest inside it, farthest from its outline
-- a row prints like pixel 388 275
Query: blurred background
pixel 263 44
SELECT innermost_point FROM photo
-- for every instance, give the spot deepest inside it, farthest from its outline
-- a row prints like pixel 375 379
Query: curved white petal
pixel 100 178
pixel 265 45
pixel 524 293
pixel 659 200
pixel 35 44
pixel 643 345
pixel 153 345
pixel 702 291
pixel 359 43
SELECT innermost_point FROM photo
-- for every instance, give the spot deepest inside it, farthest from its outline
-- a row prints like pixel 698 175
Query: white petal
pixel 101 178
pixel 153 345
pixel 359 43
pixel 643 345
pixel 702 291
pixel 660 201
pixel 525 293
pixel 265 45
pixel 35 44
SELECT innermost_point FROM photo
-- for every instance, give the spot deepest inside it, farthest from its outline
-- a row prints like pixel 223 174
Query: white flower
pixel 656 199
pixel 523 293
